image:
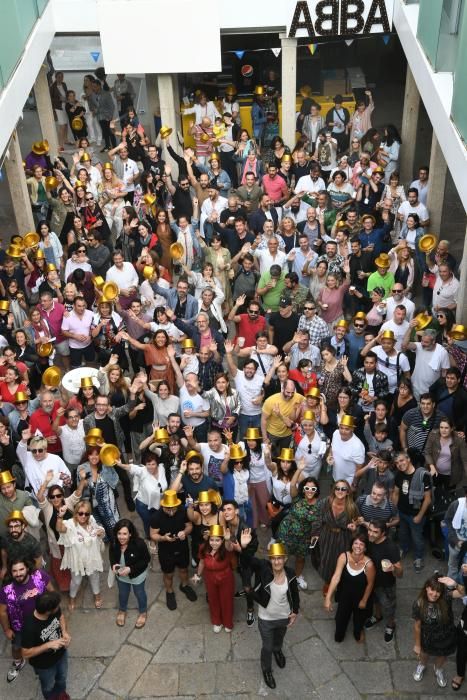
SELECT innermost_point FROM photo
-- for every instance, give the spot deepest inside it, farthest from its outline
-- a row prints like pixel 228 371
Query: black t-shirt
pixel 28 547
pixel 36 632
pixel 227 213
pixel 284 328
pixel 402 482
pixel 231 240
pixel 300 170
pixel 155 167
pixel 378 552
pixel 108 429
pixel 192 489
pixel 170 524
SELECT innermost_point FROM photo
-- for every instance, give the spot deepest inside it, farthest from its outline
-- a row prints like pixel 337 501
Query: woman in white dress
pixel 81 538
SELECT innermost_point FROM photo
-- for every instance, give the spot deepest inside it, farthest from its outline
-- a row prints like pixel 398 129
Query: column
pixel 409 128
pixel 154 109
pixel 18 188
pixel 461 312
pixel 45 111
pixel 176 89
pixel 289 88
pixel 437 184
pixel 168 106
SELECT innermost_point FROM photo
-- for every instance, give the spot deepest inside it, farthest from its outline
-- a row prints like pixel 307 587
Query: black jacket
pixel 136 556
pixel 263 579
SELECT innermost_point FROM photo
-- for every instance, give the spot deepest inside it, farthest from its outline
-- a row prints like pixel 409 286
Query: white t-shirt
pixel 72 443
pixel 313 459
pixel 445 293
pixel 391 304
pixel 406 208
pixel 428 366
pixel 249 389
pixel 398 330
pixel 124 278
pixel 212 462
pixel 266 260
pixel 347 454
pixel 191 402
pixel 391 371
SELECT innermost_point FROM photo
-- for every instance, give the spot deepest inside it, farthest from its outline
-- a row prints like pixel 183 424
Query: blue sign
pixel 95 55
pixel 239 54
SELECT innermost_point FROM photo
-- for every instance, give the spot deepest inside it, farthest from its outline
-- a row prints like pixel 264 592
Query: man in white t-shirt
pixel 398 298
pixel 194 410
pixel 347 451
pixel 125 277
pixel 215 455
pixel 392 363
pixel 309 185
pixel 398 325
pixel 413 206
pixel 270 256
pixel 249 384
pixel 431 361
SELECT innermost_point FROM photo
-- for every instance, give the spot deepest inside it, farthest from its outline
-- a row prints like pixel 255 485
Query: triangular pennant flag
pixel 386 38
pixel 312 48
pixel 349 42
pixel 276 52
pixel 239 54
pixel 95 55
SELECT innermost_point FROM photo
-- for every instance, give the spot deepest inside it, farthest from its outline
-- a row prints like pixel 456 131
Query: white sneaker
pixel 419 671
pixel 227 629
pixel 217 628
pixel 302 583
pixel 440 677
pixel 14 670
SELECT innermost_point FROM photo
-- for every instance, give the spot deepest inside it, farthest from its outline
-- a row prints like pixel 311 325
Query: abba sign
pixel 314 18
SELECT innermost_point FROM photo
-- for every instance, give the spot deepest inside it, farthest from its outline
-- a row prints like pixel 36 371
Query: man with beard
pixel 191 478
pixel 11 498
pixel 17 602
pixel 386 557
pixel 279 415
pixel 18 543
pixel 249 384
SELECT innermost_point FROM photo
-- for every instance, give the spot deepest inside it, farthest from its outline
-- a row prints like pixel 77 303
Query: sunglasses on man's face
pixel 83 514
pixel 37 450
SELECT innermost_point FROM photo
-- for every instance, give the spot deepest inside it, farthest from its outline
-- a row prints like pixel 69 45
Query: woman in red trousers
pixel 216 565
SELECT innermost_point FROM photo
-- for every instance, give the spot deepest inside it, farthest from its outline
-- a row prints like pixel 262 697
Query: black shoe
pixel 130 504
pixel 189 592
pixel 389 634
pixel 240 594
pixel 280 658
pixel 269 679
pixel 250 618
pixel 171 600
pixel 372 621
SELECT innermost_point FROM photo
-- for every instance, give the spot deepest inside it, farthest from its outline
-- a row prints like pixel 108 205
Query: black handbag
pixel 442 500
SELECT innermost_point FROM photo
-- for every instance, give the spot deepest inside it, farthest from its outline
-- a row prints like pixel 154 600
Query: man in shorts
pixel 170 528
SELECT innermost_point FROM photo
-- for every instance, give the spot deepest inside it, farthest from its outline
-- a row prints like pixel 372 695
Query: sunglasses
pixel 440 316
pixel 38 450
pixel 359 325
pixel 89 199
pixel 55 495
pixel 341 488
pixel 310 308
pixel 253 313
pixel 313 489
pixel 83 514
pixel 83 250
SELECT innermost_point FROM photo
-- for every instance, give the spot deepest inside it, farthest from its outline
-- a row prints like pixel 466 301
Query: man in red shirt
pixel 275 186
pixel 52 311
pixel 47 418
pixel 249 324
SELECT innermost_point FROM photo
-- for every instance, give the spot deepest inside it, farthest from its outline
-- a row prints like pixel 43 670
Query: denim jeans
pixel 245 422
pixel 124 593
pixel 145 514
pixel 53 679
pixel 411 532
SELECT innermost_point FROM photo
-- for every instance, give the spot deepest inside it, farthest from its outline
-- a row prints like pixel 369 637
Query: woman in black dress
pixel 434 629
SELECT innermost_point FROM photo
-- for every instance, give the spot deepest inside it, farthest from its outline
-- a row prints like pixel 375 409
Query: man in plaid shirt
pixel 311 322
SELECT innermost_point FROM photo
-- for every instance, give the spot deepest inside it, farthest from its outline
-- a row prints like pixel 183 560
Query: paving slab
pixel 105 643
pixel 316 661
pixel 198 679
pixel 217 647
pixel 347 649
pixel 338 688
pixel 160 622
pixel 246 642
pixel 124 670
pixel 25 687
pixel 185 645
pixel 402 675
pixel 83 676
pixel 238 676
pixel 157 680
pixel 369 676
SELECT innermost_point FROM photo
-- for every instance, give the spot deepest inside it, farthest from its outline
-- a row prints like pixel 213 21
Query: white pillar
pixel 289 89
pixel 168 106
pixel 153 103
pixel 45 111
pixel 409 128
pixel 176 90
pixel 461 312
pixel 437 184
pixel 18 189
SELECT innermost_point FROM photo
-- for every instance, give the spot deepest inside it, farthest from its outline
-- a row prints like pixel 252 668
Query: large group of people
pixel 195 343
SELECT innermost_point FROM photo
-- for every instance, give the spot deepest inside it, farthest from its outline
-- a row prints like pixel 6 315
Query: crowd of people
pixel 196 342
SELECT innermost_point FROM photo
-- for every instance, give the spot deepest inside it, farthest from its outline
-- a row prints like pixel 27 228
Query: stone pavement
pixel 178 655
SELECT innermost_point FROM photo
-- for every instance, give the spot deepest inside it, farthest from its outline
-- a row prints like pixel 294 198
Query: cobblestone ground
pixel 178 655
